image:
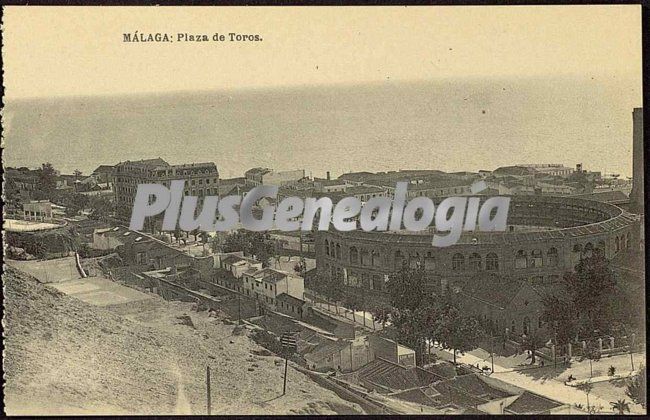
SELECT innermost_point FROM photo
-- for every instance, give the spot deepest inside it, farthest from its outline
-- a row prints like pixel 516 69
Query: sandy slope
pixel 63 356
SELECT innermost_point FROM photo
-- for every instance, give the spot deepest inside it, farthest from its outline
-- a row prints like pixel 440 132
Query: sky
pixel 71 51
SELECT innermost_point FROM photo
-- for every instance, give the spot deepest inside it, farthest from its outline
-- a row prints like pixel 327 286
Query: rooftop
pixel 529 403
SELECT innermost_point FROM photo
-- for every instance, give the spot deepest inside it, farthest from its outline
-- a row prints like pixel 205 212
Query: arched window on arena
pixel 475 262
pixel 399 259
pixel 365 257
pixel 375 259
pixel 627 240
pixel 552 257
pixel 589 249
pixel 536 258
pixel 521 259
pixel 577 248
pixel 338 251
pixel 492 262
pixel 414 260
pixel 354 255
pixel 617 243
pixel 429 261
pixel 458 262
pixel 377 283
pixel 327 247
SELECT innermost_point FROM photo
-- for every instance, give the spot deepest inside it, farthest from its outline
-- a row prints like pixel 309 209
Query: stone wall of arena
pixel 560 230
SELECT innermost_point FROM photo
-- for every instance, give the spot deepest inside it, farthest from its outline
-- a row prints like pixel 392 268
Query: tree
pixel 406 288
pixel 590 289
pixel 257 244
pixel 101 207
pixel 411 329
pixel 74 203
pixel 263 248
pixel 586 387
pixel 381 314
pixel 559 314
pixel 620 406
pixel 592 352
pixel 36 247
pixel 333 289
pixel 456 331
pixel 177 234
pixel 77 174
pixel 46 182
pixel 636 387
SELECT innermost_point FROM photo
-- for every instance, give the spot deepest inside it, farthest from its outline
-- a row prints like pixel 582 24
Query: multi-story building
pixel 201 179
pixel 266 176
pixel 555 169
pixel 267 284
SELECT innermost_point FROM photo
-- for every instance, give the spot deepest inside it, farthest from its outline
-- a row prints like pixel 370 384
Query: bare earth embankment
pixel 63 356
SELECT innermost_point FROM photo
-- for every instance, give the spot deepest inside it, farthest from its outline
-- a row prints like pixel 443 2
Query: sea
pixel 449 125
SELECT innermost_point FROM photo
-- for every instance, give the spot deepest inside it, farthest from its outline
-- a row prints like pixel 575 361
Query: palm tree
pixel 586 387
pixel 621 406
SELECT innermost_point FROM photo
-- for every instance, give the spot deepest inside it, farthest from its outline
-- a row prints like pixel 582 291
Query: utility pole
pixel 207 383
pixel 289 344
pixel 631 354
pixel 286 365
pixel 492 350
pixel 351 368
pixel 239 307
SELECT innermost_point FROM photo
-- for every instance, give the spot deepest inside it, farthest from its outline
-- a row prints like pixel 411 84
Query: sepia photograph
pixel 261 210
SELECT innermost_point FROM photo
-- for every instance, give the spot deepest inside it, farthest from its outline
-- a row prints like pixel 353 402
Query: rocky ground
pixel 63 356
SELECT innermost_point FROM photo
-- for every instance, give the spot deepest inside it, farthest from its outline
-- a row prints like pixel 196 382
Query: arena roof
pixel 614 219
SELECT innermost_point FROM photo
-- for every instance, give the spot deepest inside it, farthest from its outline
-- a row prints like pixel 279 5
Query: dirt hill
pixel 63 356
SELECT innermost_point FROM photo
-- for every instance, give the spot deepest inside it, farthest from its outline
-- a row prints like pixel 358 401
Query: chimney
pixel 328 175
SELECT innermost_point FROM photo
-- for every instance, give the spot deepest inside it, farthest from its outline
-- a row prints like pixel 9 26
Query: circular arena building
pixel 546 237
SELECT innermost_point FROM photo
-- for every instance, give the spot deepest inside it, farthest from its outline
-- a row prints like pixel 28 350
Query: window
pixel 492 262
pixel 327 247
pixel 536 258
pixel 365 257
pixel 458 262
pixel 589 248
pixel 375 259
pixel 338 251
pixel 377 284
pixel 475 262
pixel 399 259
pixel 552 257
pixel 521 259
pixel 618 244
pixel 354 256
pixel 429 262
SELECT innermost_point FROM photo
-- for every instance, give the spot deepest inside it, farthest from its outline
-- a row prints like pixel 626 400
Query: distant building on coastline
pixel 200 179
pixel 266 176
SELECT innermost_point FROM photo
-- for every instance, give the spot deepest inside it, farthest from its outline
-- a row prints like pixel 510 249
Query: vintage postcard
pixel 323 210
